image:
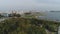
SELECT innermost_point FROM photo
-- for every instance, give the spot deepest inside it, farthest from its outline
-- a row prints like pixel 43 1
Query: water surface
pixel 55 16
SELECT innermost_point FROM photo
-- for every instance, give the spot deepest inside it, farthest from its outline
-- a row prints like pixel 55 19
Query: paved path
pixel 59 30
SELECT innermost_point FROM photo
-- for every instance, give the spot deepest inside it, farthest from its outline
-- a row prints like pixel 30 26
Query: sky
pixel 30 4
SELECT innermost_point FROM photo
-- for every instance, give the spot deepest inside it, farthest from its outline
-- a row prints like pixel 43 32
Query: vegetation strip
pixel 28 26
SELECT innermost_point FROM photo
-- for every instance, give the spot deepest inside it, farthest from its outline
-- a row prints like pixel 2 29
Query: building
pixel 4 14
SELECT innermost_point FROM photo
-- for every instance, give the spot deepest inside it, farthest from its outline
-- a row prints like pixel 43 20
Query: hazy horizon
pixel 30 4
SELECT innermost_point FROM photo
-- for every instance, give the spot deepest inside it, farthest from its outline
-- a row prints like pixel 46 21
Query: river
pixel 53 16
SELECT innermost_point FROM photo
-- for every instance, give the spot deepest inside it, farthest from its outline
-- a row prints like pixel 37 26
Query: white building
pixel 4 14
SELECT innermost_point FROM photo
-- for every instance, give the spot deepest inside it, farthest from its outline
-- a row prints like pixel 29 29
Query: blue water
pixel 55 16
